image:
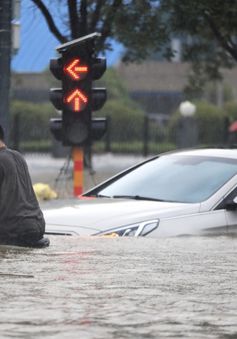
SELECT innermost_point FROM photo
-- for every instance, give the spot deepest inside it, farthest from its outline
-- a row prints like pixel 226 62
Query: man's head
pixel 1 133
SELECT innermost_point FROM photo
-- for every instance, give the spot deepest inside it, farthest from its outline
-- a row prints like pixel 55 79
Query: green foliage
pixel 230 109
pixel 126 122
pixel 207 30
pixel 142 28
pixel 33 120
pixel 126 117
pixel 116 89
pixel 37 146
pixel 137 25
pixel 213 89
pixel 210 121
pixel 135 147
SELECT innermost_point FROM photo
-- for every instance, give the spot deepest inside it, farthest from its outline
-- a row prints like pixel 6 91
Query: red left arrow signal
pixel 75 70
pixel 77 99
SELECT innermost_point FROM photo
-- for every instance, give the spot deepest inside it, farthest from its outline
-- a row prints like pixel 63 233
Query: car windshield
pixel 175 178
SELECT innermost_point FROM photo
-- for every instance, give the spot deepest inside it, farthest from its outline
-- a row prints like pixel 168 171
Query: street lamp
pixel 187 109
pixel 187 134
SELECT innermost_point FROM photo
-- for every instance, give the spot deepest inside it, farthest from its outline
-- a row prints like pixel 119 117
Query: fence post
pixel 226 124
pixel 145 135
pixel 16 132
pixel 108 136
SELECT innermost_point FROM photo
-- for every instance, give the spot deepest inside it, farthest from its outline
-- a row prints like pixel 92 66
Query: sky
pixel 37 44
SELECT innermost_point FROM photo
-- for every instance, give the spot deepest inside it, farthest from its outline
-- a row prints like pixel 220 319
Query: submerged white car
pixel 174 194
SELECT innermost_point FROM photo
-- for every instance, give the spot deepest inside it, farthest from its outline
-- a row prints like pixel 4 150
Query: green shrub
pixel 230 109
pixel 135 147
pixel 42 146
pixel 127 119
pixel 210 122
pixel 126 116
pixel 33 120
pixel 126 122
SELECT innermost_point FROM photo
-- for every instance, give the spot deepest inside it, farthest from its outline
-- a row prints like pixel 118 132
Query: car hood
pixel 86 217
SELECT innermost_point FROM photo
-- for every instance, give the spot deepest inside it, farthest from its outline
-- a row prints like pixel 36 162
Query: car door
pixel 231 214
pixel 200 223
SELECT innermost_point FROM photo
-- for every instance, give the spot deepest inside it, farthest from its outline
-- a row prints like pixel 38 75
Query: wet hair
pixel 1 133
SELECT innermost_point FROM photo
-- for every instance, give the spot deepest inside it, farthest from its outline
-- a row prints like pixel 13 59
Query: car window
pixel 177 178
pixel 229 197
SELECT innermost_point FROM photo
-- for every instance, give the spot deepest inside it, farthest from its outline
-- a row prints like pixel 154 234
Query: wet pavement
pixel 57 172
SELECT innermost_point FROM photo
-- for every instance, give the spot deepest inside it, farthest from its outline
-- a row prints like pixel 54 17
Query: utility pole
pixel 5 59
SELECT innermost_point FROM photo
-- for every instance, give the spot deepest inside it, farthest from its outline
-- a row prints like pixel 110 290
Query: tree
pixel 209 33
pixel 211 21
pixel 208 29
pixel 133 23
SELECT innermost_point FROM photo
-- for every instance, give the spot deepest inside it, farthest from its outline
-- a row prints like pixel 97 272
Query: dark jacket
pixel 21 219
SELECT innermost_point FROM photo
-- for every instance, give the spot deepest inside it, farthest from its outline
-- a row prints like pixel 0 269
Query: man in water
pixel 21 219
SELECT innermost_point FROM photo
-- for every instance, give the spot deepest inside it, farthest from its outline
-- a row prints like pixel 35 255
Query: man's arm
pixel 1 175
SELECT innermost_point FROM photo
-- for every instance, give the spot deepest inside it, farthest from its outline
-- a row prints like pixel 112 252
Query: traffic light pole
pixel 78 164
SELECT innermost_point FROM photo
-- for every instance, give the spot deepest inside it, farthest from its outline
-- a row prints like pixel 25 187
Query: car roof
pixel 210 152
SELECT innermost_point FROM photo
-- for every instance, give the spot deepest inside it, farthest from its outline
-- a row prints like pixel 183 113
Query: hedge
pixel 211 123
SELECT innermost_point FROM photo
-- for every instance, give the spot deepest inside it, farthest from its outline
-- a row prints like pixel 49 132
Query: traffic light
pixel 77 68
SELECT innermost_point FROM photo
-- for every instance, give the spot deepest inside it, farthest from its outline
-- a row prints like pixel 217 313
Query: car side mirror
pixel 231 205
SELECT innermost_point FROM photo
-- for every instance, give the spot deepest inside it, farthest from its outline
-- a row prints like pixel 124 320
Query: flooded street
pixel 120 288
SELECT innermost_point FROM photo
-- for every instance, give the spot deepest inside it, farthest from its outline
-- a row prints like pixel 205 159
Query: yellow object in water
pixel 110 235
pixel 44 192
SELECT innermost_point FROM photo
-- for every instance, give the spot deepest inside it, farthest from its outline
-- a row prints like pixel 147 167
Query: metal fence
pixel 150 135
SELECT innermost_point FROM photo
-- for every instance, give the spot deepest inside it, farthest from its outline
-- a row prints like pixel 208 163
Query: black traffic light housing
pixel 98 128
pixel 77 68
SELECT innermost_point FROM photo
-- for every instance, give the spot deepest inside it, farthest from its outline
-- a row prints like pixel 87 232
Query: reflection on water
pixel 120 288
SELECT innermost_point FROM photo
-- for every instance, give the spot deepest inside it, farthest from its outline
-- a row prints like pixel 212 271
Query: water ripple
pixel 120 288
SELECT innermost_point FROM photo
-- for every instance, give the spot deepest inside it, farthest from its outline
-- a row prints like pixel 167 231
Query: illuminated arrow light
pixel 75 70
pixel 77 100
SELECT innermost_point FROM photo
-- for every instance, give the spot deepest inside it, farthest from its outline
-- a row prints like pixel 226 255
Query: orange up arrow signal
pixel 75 70
pixel 77 99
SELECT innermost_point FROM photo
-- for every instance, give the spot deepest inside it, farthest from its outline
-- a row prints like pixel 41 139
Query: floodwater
pixel 120 288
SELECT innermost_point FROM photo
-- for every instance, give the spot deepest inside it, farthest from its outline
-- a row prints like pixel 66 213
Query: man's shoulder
pixel 7 151
pixel 13 151
pixel 8 154
pixel 3 152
